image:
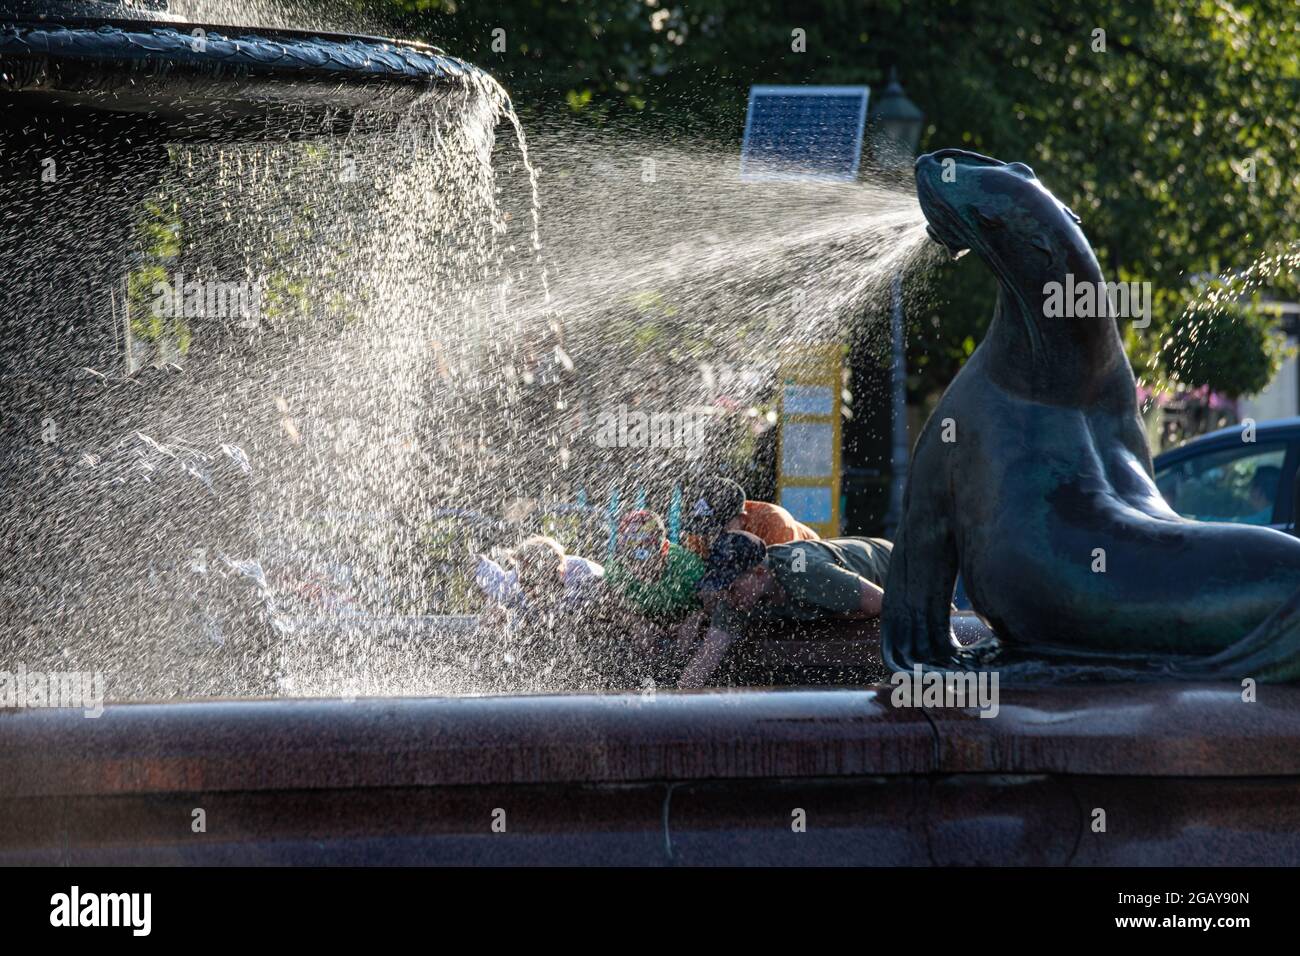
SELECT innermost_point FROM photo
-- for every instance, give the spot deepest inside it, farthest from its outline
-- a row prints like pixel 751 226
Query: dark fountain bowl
pixel 98 91
pixel 193 81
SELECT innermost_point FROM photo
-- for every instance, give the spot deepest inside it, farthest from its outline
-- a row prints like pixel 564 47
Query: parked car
pixel 1232 475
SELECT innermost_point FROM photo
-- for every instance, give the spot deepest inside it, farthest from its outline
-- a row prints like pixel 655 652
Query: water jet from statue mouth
pixel 933 208
pixel 955 251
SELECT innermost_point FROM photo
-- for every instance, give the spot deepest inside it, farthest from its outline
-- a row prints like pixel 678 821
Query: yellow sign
pixel 808 449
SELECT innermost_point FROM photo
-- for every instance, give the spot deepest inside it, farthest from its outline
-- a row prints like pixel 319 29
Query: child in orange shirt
pixel 716 505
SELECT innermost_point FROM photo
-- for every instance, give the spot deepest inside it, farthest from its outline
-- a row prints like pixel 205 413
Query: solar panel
pixel 803 132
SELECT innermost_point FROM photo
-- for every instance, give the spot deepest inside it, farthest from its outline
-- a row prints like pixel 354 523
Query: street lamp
pixel 896 123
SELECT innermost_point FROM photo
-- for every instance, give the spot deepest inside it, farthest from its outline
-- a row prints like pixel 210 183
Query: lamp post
pixel 896 122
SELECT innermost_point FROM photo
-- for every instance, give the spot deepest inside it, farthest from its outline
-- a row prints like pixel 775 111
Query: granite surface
pixel 1116 774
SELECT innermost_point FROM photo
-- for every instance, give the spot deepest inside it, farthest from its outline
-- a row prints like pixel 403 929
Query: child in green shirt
pixel 657 580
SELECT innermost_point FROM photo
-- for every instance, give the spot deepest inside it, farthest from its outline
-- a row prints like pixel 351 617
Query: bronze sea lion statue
pixel 1033 479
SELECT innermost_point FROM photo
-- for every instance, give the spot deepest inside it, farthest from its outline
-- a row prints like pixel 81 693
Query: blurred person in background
pixel 541 579
pixel 715 505
pixel 808 582
pixel 656 582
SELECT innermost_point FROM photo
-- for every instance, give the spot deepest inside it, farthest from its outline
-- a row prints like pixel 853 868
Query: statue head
pixel 1002 212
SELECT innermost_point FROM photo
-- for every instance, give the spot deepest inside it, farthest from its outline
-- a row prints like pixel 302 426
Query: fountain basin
pixel 202 81
pixel 1186 774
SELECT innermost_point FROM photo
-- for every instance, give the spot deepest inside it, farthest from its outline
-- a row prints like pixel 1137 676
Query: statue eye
pixel 987 219
pixel 1039 242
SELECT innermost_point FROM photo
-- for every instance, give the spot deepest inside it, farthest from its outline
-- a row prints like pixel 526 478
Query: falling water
pixel 442 324
pixel 330 15
pixel 1215 300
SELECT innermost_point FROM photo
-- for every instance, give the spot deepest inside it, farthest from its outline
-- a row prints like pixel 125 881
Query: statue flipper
pixel 915 619
pixel 1269 654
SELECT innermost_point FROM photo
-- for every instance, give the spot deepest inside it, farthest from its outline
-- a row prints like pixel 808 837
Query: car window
pixel 1237 484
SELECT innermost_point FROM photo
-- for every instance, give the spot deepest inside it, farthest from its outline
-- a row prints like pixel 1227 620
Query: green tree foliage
pixel 1223 349
pixel 1168 125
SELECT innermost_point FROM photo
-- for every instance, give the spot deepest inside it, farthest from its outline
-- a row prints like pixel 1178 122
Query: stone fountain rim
pixel 244 83
pixel 443 64
pixel 228 30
